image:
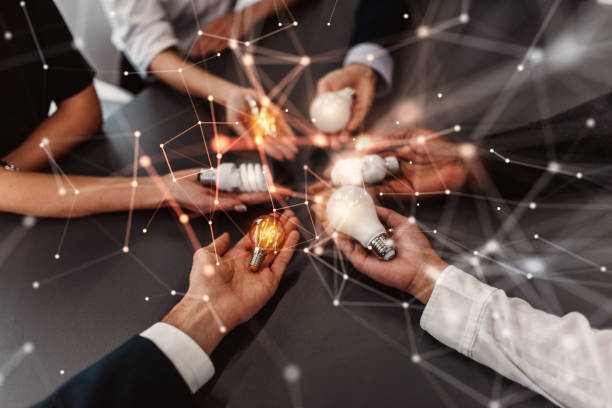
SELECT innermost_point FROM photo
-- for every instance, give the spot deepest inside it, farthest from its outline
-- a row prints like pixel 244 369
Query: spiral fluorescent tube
pixel 248 177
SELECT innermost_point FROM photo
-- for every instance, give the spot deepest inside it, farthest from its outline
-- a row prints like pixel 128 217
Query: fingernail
pixel 240 208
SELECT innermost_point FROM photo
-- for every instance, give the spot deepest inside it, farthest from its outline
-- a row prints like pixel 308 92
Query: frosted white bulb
pixel 331 111
pixel 249 177
pixel 369 169
pixel 351 211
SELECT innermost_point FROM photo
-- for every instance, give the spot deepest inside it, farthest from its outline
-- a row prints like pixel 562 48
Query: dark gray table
pixel 360 354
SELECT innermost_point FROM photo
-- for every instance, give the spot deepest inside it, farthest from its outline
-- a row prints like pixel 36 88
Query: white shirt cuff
pixel 375 57
pixel 455 309
pixel 186 355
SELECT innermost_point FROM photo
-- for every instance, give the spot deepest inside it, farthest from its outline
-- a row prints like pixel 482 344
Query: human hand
pixel 416 266
pixel 430 164
pixel 280 147
pixel 362 79
pixel 188 192
pixel 230 26
pixel 223 292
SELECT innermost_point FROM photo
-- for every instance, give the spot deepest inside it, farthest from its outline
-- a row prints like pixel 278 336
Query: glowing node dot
pixel 146 298
pixel 77 192
pixel 507 161
pixel 291 373
pixel 305 167
pixel 328 24
pixel 218 264
pixel 590 123
pixel 579 175
pixel 435 231
pixel 184 218
pixel 247 43
pixel 62 372
pixel 422 31
pixel 125 249
pixel 318 250
pixel 464 18
pixel 380 193
pixel 475 252
pixel 56 256
pixel 125 73
pixel 306 250
pixel 318 199
pixel 529 275
pixel 200 32
pixel 211 98
pixel 520 67
pixel 603 268
pixel 22 3
pixel 447 191
pixel 205 298
pixel 397 122
pixel 420 139
pixel 275 252
pixel 345 276
pixel 173 180
pixel 457 128
pixel 405 305
pixel 280 24
pixel 286 110
pixel 218 54
pixel 209 222
pixel 494 404
pixel 306 202
pixel 28 221
pixel 317 237
pixel 223 329
pixel 45 67
pixel 272 189
pixel 498 208
pixel 144 230
pixel 406 16
pixel 161 145
pixel 416 358
pixel 216 202
pixel 305 60
pixel 274 210
pixel 61 191
pixel 180 70
pixel 8 35
pixel 411 219
pixel 440 95
pixel 336 302
pixel 35 285
pixel 134 183
pixel 536 236
pixel 416 193
pixel 295 23
pixel 219 155
pixel 145 161
pixel 370 57
pixel 532 206
pixel 173 292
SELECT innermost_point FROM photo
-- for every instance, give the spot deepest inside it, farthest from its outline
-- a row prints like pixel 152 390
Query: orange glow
pixel 221 143
pixel 272 189
pixel 267 233
pixel 184 218
pixel 319 140
pixel 264 124
pixel 145 161
pixel 258 140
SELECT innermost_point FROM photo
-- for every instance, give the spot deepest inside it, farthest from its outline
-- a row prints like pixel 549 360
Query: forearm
pixel 47 195
pixel 563 359
pixel 191 79
pixel 76 118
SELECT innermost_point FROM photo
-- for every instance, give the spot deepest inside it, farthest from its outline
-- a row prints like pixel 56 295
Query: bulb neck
pixel 208 177
pixel 381 247
pixel 258 256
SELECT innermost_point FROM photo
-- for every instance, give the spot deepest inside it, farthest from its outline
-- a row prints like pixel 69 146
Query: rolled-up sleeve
pixel 561 358
pixel 141 30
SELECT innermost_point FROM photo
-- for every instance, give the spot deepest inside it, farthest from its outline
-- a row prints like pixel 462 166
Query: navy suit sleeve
pixel 137 374
pixel 380 20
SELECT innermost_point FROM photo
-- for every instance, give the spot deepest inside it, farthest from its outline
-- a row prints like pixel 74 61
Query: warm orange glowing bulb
pixel 264 124
pixel 267 234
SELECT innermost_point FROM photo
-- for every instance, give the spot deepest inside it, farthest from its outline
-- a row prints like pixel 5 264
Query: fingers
pixel 389 217
pixel 219 245
pixel 364 96
pixel 284 257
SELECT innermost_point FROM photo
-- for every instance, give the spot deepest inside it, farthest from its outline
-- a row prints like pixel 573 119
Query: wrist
pixel 424 282
pixel 194 318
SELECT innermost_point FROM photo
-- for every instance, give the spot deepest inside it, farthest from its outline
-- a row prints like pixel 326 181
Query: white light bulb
pixel 249 177
pixel 331 111
pixel 351 211
pixel 369 169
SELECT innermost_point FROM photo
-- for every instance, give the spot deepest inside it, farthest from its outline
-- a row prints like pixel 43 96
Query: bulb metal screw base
pixel 258 256
pixel 381 247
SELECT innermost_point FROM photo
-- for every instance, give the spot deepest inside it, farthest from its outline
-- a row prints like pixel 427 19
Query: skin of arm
pixel 76 118
pixel 47 195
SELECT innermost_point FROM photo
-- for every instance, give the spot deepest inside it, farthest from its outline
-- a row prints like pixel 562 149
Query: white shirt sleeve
pixel 192 363
pixel 141 29
pixel 561 358
pixel 375 57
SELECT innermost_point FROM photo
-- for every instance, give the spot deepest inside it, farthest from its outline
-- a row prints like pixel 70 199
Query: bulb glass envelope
pixel 351 211
pixel 263 121
pixel 267 234
pixel 331 111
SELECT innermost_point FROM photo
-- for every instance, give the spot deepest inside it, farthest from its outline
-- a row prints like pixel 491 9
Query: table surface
pixel 359 354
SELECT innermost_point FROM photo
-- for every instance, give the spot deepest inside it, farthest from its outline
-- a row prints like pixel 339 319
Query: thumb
pixel 363 101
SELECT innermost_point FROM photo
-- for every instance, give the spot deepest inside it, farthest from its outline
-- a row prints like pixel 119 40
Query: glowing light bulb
pixel 331 111
pixel 267 234
pixel 369 169
pixel 263 120
pixel 249 177
pixel 351 211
